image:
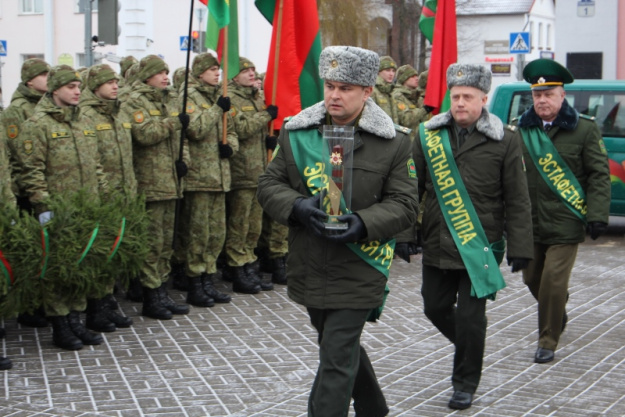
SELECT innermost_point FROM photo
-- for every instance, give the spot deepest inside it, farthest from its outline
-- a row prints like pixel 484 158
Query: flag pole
pixel 183 132
pixel 224 89
pixel 276 62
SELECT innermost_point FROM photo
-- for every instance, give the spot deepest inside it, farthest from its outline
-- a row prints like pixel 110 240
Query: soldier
pixel 130 78
pixel 384 87
pixel 99 103
pixel 59 155
pixel 244 213
pixel 156 125
pixel 561 147
pixel 203 223
pixel 423 82
pixel 8 198
pixel 124 65
pixel 28 93
pixel 406 99
pixel 272 249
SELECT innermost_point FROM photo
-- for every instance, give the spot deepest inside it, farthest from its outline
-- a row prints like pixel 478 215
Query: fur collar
pixel 372 120
pixel 488 124
pixel 567 118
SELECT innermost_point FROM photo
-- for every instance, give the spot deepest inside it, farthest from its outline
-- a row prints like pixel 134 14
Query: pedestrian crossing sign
pixel 184 43
pixel 520 43
pixel 3 48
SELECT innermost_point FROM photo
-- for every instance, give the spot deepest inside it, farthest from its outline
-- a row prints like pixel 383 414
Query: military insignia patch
pixel 602 147
pixel 12 131
pixel 190 108
pixel 173 113
pixel 383 101
pixel 412 169
pixel 401 106
pixel 104 126
pixel 127 125
pixel 155 112
pixel 138 115
pixel 248 108
pixel 233 112
pixel 88 132
pixel 334 63
pixel 28 147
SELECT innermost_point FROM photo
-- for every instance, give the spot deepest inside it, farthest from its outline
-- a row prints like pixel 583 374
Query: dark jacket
pixel 323 274
pixel 491 166
pixel 578 141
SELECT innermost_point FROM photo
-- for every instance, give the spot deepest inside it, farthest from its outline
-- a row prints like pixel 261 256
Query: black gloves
pixel 596 229
pixel 404 250
pixel 225 150
pixel 307 212
pixel 184 120
pixel 428 109
pixel 518 263
pixel 181 169
pixel 273 111
pixel 224 103
pixel 356 230
pixel 271 142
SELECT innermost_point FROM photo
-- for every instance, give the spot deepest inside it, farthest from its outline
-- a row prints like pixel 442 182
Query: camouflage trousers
pixel 243 226
pixel 202 231
pixel 63 304
pixel 155 269
pixel 274 237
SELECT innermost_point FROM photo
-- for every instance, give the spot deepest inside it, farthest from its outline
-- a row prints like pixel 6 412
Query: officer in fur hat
pixel 342 284
pixel 472 169
pixel 573 141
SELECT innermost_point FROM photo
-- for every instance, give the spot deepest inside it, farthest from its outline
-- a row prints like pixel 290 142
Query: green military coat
pixel 328 275
pixel 491 166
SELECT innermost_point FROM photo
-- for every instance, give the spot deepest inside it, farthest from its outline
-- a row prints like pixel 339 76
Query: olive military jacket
pixel 58 150
pixel 251 126
pixel 207 171
pixel 579 143
pixel 382 97
pixel 112 128
pixel 491 166
pixel 328 275
pixel 156 140
pixel 5 172
pixel 409 114
pixel 22 107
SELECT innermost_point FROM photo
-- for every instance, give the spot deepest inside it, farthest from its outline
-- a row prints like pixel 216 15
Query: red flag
pixel 444 53
pixel 297 44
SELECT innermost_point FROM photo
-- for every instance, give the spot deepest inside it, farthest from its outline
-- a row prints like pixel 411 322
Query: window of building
pixel 82 62
pixel 540 36
pixel 81 5
pixel 532 35
pixel 31 6
pixel 548 34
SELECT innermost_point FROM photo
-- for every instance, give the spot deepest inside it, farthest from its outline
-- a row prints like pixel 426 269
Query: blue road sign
pixel 520 43
pixel 184 43
pixel 3 48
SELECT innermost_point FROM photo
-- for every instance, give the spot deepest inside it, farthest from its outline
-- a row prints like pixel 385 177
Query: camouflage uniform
pixel 423 81
pixel 59 154
pixel 244 213
pixel 156 142
pixel 406 99
pixel 382 90
pixel 21 108
pixel 130 78
pixel 5 172
pixel 124 65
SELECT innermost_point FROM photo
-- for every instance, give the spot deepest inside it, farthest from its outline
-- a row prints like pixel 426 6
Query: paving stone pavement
pixel 257 355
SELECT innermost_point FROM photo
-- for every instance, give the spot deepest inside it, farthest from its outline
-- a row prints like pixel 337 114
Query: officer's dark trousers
pixel 345 370
pixel 459 317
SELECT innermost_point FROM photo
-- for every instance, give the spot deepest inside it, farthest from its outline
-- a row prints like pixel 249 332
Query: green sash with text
pixel 480 258
pixel 308 152
pixel 554 171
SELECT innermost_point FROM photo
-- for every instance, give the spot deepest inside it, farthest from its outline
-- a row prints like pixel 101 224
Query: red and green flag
pixel 444 53
pixel 293 56
pixel 426 21
pixel 222 14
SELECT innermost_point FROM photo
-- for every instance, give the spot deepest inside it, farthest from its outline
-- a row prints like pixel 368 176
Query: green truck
pixel 602 99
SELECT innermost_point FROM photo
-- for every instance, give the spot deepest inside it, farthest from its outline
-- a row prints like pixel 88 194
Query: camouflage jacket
pixel 21 108
pixel 409 114
pixel 207 171
pixel 251 127
pixel 156 140
pixel 59 153
pixel 112 128
pixel 5 172
pixel 382 97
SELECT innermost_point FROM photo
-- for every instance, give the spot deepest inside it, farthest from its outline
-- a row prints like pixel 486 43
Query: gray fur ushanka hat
pixel 469 75
pixel 349 64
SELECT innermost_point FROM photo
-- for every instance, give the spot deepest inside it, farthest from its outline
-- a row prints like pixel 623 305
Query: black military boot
pixel 196 296
pixel 254 276
pixel 97 318
pixel 37 319
pixel 278 276
pixel 152 305
pixel 170 304
pixel 81 332
pixel 209 288
pixel 241 282
pixel 264 263
pixel 135 290
pixel 112 313
pixel 62 335
pixel 179 277
pixel 5 363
